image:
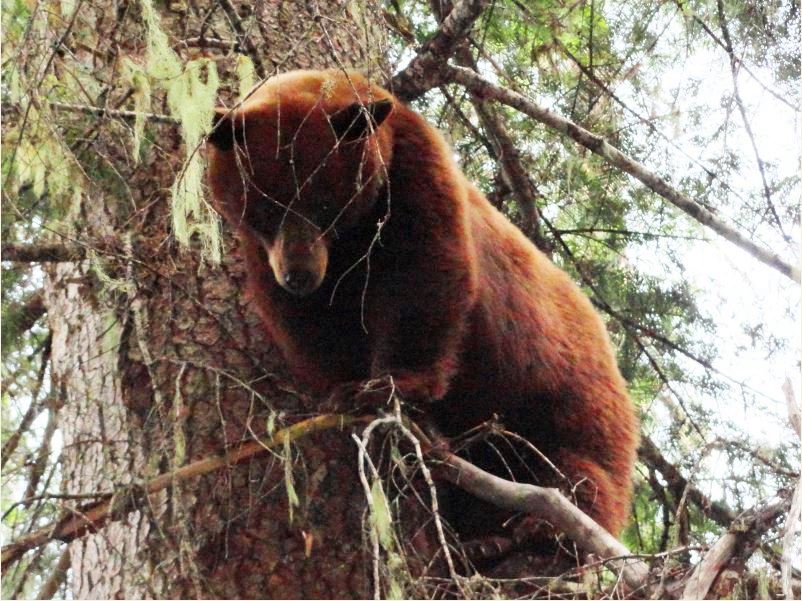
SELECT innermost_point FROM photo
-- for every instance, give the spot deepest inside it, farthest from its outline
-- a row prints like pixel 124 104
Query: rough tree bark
pixel 159 361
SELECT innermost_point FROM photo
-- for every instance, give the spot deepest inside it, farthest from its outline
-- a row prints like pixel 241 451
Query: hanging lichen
pixel 289 481
pixel 191 95
pixel 246 75
pixel 41 160
pixel 136 77
pixel 381 522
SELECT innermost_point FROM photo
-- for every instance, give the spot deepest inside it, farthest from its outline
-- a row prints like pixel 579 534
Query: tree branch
pixel 423 71
pixel 106 112
pixel 549 504
pixel 96 515
pixel 747 527
pixel 688 12
pixel 41 253
pixel 57 577
pixel 761 166
pixel 243 38
pixel 651 455
pixel 502 148
pixel 792 524
pixel 598 145
pixel 34 409
pixel 546 502
pixel 87 109
pixel 30 313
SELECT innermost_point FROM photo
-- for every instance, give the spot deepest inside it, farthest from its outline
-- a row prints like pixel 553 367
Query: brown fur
pixel 451 299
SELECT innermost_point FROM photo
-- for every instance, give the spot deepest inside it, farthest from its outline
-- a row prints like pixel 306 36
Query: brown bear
pixel 370 255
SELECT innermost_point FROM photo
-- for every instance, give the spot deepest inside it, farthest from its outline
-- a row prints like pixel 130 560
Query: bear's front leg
pixel 360 396
pixel 416 322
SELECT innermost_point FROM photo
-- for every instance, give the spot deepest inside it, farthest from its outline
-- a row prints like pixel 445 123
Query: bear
pixel 370 255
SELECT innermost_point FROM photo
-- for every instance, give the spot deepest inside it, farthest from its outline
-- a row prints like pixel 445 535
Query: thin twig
pixel 107 112
pixel 747 126
pixel 741 65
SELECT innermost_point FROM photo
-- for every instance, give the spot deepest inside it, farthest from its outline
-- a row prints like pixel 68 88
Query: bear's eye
pixel 265 217
pixel 327 210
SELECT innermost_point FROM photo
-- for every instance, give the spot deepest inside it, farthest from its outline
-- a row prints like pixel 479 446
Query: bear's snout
pixel 299 282
pixel 298 257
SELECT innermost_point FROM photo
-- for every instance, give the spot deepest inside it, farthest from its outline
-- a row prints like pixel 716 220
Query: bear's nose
pixel 299 281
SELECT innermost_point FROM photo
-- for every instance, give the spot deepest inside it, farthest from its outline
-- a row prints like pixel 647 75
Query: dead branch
pixel 746 528
pixel 598 145
pixel 107 112
pixel 791 526
pixel 43 452
pixel 94 516
pixel 41 253
pixel 796 502
pixel 34 409
pixel 422 73
pixel 651 456
pixel 549 504
pixel 546 502
pixel 86 109
pixel 243 39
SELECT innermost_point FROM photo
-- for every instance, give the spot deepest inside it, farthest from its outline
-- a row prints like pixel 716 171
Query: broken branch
pixel 93 517
pixel 748 526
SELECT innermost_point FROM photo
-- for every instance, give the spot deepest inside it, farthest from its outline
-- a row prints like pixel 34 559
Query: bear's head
pixel 298 163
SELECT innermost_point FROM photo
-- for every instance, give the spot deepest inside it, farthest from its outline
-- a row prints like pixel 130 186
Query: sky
pixel 733 287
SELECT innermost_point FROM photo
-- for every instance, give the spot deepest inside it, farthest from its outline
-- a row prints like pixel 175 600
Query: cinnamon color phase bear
pixel 369 254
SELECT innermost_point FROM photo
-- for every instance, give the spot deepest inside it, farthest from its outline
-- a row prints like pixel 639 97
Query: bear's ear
pixel 355 121
pixel 227 129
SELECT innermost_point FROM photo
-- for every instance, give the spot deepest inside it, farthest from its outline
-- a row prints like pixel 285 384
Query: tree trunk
pixel 159 360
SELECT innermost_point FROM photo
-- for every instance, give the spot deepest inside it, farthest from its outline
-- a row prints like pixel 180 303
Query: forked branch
pixel 423 71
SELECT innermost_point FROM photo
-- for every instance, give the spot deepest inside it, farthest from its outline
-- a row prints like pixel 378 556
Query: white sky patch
pixel 734 289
